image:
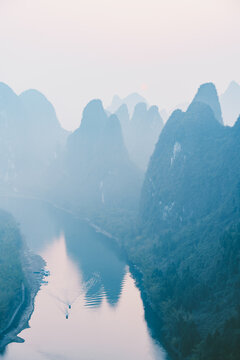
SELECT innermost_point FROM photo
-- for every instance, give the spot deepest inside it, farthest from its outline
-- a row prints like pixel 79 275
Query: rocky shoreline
pixel 32 265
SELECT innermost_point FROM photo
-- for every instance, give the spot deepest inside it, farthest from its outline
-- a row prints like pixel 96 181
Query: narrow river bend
pixel 90 308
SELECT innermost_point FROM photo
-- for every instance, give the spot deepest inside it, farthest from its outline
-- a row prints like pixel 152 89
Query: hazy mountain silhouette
pixel 131 101
pixel 31 138
pixel 230 102
pixel 164 115
pixel 45 138
pixel 141 132
pixel 11 133
pixel 98 172
pixel 41 118
pixel 123 115
pixel 207 94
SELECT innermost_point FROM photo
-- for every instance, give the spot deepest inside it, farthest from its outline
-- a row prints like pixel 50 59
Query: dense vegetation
pixel 188 246
pixel 11 274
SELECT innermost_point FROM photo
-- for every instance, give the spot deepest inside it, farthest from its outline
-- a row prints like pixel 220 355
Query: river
pixel 90 307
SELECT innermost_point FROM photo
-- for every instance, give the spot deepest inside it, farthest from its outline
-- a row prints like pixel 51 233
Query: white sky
pixel 76 50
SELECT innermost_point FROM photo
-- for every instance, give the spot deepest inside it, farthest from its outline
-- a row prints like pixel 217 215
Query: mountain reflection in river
pixel 90 308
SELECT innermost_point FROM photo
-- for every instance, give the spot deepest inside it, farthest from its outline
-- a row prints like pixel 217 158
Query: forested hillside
pixel 188 245
pixel 11 273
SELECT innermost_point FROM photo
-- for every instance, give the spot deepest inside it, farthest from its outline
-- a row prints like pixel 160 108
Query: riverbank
pixel 31 263
pixel 116 241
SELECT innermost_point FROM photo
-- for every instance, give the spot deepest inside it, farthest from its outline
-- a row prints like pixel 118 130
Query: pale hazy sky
pixel 76 50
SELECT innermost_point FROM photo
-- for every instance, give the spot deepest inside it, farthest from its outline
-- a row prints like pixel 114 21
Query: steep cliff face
pixel 183 168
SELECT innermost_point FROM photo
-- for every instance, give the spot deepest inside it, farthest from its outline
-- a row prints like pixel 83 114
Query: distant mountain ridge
pixel 141 131
pixel 131 101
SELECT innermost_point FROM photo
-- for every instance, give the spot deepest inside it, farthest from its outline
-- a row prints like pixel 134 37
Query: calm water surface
pixel 90 309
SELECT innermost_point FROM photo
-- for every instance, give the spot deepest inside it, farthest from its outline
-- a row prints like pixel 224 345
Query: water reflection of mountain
pixel 102 270
pixel 95 259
